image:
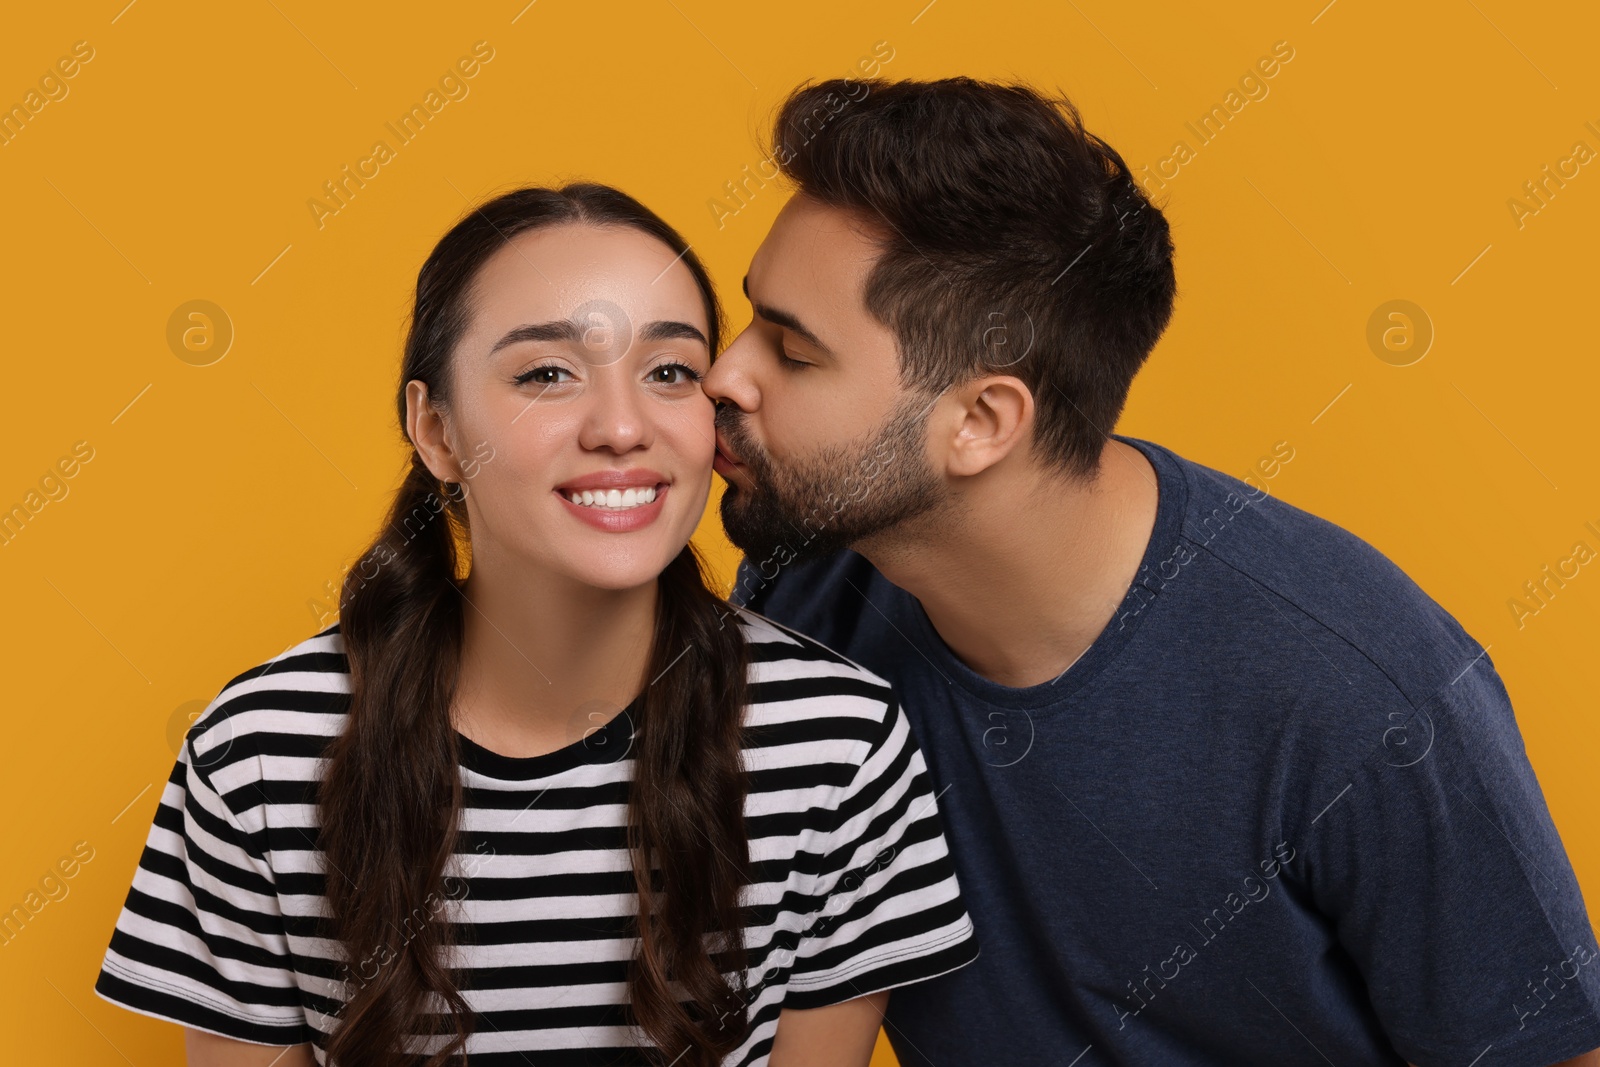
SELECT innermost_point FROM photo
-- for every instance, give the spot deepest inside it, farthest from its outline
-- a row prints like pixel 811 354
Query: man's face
pixel 819 444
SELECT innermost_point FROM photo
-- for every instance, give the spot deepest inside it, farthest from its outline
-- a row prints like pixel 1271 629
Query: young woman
pixel 539 796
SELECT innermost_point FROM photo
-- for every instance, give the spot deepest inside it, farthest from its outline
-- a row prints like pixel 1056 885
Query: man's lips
pixel 726 465
pixel 725 451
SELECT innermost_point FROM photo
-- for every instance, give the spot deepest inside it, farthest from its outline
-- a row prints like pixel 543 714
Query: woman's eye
pixel 547 375
pixel 787 362
pixel 674 374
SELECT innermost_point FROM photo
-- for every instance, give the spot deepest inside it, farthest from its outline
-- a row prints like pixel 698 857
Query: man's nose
pixel 729 381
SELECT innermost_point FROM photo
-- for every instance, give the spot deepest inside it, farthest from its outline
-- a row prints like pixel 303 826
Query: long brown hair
pixel 391 794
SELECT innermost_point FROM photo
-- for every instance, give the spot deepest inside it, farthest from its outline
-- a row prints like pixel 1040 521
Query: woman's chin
pixel 561 546
pixel 619 568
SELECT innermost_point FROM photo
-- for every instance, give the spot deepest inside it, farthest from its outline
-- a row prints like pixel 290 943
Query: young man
pixel 1223 786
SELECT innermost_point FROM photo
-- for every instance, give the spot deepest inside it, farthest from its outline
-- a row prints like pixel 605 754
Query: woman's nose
pixel 616 419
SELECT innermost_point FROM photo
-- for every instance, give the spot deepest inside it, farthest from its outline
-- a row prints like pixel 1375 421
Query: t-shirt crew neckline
pixel 1172 497
pixel 609 743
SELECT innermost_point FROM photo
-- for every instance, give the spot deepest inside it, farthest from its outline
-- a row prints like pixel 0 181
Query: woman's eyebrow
pixel 562 330
pixel 567 330
pixel 667 330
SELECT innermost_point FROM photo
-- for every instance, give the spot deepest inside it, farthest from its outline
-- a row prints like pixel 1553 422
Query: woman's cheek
pixel 515 482
pixel 694 432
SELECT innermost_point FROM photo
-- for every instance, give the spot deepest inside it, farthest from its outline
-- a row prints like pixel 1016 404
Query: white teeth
pixel 614 498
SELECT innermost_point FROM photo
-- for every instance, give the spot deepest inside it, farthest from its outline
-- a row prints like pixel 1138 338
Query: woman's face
pixel 576 418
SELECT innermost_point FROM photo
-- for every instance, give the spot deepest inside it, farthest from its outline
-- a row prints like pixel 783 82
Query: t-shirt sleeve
pixel 200 940
pixel 1448 884
pixel 893 912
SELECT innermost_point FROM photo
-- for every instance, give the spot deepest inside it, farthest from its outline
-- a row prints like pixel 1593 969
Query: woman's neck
pixel 545 659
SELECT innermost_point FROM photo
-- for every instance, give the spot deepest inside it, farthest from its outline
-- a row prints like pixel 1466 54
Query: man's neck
pixel 1024 581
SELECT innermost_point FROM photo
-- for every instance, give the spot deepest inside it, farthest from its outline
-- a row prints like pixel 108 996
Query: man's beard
pixel 833 499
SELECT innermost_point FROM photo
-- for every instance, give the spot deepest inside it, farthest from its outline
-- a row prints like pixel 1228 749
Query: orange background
pixel 1381 164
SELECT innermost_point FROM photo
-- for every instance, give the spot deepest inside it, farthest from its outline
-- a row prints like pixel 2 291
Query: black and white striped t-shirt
pixel 851 891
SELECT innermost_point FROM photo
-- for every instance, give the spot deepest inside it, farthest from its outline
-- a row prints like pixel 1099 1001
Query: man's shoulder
pixel 1274 532
pixel 1303 567
pixel 824 598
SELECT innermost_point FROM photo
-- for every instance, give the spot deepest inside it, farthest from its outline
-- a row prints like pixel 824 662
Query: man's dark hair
pixel 1014 241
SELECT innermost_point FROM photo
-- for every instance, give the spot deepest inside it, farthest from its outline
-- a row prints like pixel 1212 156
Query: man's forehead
pixel 835 244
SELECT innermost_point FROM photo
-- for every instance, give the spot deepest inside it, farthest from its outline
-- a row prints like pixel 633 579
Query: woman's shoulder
pixel 779 653
pixel 804 692
pixel 290 705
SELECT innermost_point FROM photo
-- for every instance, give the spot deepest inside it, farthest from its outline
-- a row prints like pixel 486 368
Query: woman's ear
pixel 993 417
pixel 430 433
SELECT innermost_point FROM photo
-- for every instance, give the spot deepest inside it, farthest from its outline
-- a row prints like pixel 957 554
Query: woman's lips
pixel 618 520
pixel 611 478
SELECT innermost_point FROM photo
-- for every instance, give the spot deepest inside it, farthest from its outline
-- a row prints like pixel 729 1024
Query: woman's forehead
pixel 554 272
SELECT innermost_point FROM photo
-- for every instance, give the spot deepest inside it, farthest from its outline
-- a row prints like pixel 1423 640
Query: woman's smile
pixel 616 501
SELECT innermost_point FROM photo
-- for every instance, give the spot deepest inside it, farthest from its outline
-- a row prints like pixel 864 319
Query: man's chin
pixel 764 534
pixel 751 538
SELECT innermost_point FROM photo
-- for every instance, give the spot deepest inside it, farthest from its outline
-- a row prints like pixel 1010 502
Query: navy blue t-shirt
pixel 1279 813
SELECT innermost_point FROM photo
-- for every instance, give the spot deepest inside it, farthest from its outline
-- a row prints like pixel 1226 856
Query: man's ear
pixel 430 433
pixel 989 418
